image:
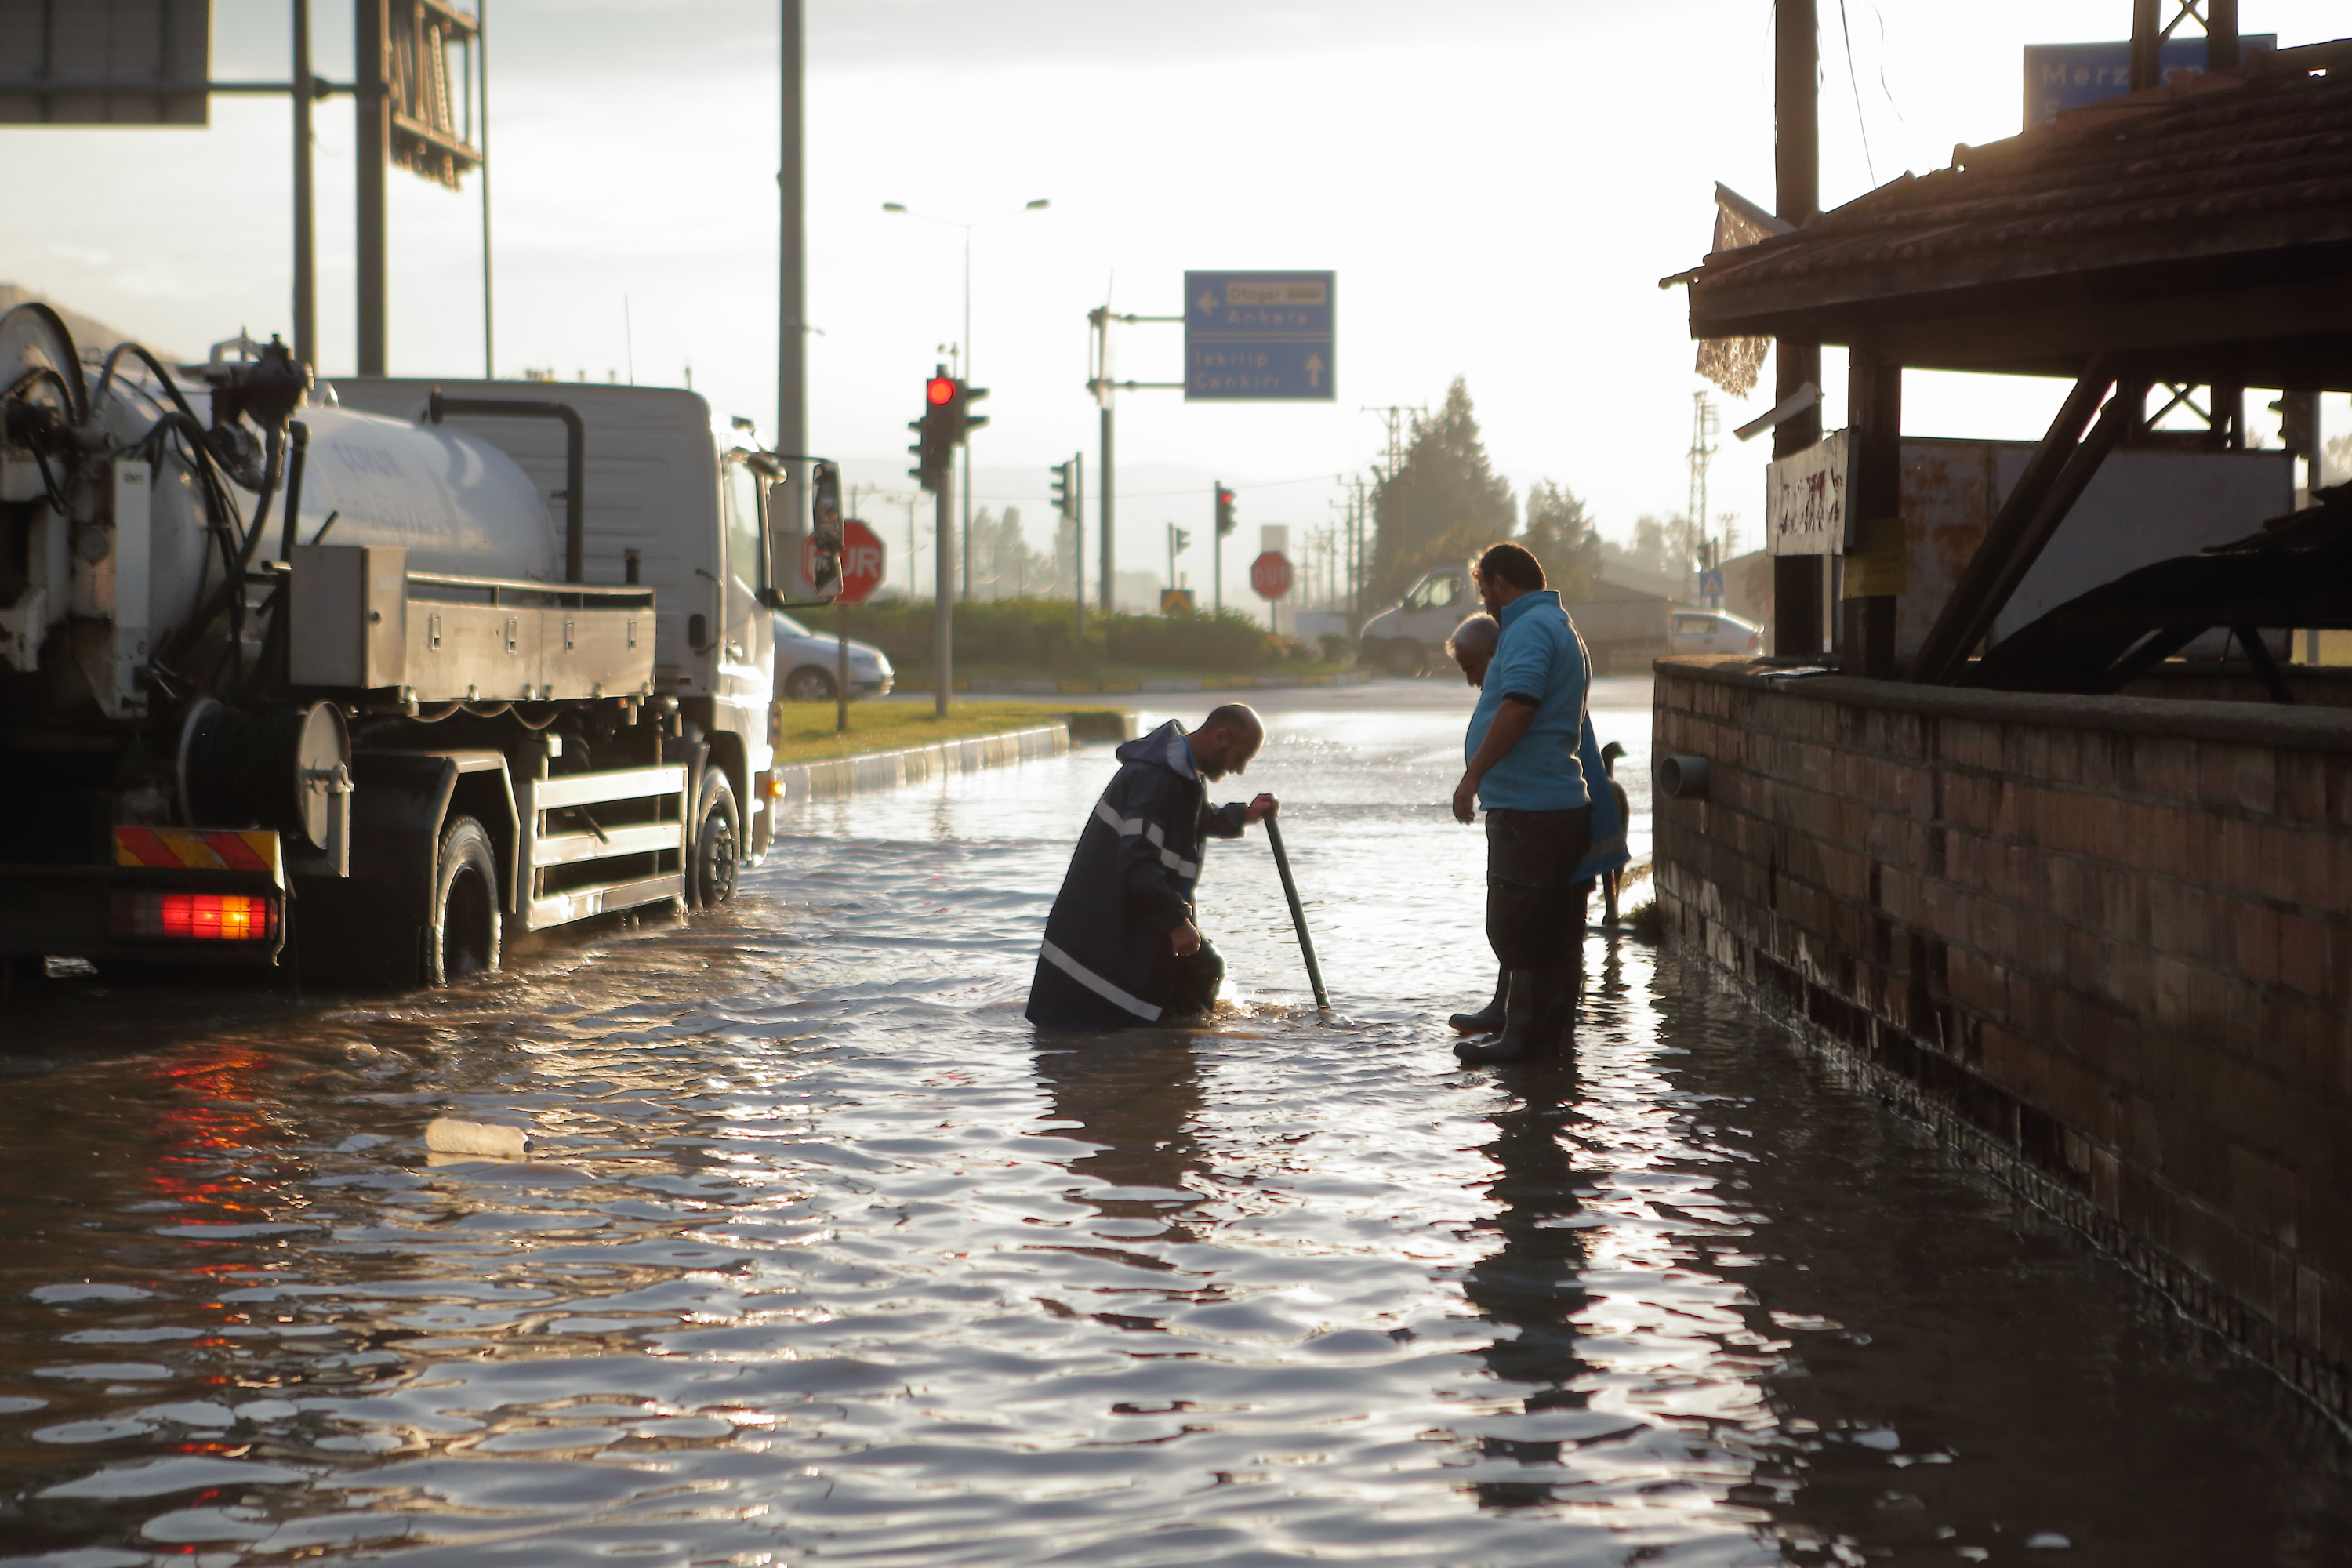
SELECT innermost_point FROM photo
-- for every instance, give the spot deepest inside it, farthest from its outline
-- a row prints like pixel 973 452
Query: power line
pixel 1855 83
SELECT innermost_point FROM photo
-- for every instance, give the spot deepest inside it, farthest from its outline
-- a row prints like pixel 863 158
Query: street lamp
pixel 904 211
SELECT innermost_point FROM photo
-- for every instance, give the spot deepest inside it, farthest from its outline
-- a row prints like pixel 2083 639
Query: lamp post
pixel 904 211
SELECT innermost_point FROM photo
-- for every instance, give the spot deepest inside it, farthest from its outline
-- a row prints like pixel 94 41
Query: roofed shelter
pixel 2198 234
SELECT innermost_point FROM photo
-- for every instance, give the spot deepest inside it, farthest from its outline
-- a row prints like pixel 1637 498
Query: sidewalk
pixel 866 773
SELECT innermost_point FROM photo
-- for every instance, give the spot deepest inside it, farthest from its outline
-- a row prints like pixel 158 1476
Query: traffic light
pixel 935 450
pixel 824 530
pixel 1225 523
pixel 961 420
pixel 1181 540
pixel 1062 497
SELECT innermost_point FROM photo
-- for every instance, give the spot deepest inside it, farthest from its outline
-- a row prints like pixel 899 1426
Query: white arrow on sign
pixel 1314 370
pixel 1208 304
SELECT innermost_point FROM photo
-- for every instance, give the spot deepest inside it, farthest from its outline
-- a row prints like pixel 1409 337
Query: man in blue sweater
pixel 1523 768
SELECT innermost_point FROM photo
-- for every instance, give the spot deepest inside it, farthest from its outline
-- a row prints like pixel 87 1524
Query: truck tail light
pixel 199 917
pixel 1754 641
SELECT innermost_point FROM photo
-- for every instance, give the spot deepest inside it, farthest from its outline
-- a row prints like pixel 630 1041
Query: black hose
pixel 105 377
pixel 301 438
pixel 273 469
pixel 41 372
pixel 247 767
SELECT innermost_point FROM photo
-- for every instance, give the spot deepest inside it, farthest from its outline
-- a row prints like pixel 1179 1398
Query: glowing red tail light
pixel 198 917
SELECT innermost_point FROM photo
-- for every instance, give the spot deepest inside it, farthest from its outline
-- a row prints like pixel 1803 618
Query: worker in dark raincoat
pixel 1123 946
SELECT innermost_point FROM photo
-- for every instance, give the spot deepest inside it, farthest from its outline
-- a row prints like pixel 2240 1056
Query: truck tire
pixel 809 684
pixel 717 842
pixel 462 936
pixel 1405 656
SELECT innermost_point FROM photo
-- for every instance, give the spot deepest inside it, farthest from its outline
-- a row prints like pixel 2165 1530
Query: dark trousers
pixel 1535 908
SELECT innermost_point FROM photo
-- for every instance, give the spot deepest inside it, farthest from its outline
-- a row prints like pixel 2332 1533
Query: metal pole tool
pixel 1297 913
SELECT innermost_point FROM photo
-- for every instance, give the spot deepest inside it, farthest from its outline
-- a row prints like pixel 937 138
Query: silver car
pixel 1713 631
pixel 807 661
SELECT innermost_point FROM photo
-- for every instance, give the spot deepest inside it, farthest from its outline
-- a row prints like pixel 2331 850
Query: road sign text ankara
pixel 1259 335
pixel 1270 575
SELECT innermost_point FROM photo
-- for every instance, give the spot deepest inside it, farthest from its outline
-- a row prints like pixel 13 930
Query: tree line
pixel 1443 503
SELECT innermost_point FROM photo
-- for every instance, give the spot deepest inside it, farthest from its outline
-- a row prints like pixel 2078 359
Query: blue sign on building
pixel 1258 335
pixel 2068 76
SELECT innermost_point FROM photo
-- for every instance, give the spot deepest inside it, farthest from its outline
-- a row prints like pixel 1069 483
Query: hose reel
pixel 289 770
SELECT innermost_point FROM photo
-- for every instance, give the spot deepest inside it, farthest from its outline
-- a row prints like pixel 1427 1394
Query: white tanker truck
pixel 312 676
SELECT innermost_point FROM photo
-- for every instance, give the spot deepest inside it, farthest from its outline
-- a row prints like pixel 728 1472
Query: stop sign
pixel 1270 575
pixel 862 561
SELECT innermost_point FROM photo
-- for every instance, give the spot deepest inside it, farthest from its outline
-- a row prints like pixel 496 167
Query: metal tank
pixel 457 504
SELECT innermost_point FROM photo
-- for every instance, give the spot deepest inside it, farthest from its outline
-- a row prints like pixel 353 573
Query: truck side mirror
pixel 825 532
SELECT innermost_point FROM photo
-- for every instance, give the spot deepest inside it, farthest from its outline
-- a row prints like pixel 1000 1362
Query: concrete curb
pixel 1204 683
pixel 873 771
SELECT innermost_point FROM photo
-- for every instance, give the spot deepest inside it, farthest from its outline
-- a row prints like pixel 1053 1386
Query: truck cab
pixel 677 501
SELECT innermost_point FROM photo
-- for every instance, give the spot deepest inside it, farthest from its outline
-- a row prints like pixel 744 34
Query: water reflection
pixel 825 1253
pixel 1137 1097
pixel 1530 1287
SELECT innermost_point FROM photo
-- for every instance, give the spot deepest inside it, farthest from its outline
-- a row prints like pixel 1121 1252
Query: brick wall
pixel 2103 943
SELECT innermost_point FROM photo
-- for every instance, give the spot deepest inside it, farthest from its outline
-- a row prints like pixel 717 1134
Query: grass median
pixel 805 731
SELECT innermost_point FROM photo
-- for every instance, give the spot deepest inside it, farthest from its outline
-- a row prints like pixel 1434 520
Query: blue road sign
pixel 1710 584
pixel 1258 335
pixel 2068 76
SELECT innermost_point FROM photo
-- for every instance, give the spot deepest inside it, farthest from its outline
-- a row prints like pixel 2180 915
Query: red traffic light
pixel 940 391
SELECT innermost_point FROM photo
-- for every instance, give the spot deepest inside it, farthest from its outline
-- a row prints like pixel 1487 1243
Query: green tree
pixel 1445 502
pixel 1560 536
pixel 1667 546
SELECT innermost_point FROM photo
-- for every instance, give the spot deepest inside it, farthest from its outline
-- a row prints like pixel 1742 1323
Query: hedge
pixel 1039 634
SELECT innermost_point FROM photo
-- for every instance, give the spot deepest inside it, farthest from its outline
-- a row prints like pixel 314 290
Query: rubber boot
pixel 1560 1000
pixel 1486 1020
pixel 1523 1016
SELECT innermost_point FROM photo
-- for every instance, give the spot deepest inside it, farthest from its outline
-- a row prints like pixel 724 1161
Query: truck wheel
pixel 1405 656
pixel 809 684
pixel 717 842
pixel 462 937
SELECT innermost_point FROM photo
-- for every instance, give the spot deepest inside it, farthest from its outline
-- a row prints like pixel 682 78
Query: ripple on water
pixel 822 1254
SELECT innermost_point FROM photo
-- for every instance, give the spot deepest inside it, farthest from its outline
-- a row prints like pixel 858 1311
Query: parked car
pixel 1713 631
pixel 809 658
pixel 1624 628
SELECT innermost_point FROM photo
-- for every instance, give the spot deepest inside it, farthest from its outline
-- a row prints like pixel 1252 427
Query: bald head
pixel 1226 741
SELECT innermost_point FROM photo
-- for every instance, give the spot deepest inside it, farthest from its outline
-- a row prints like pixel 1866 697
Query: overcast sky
pixel 1498 184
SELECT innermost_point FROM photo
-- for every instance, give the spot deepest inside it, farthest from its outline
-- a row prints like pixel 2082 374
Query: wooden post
pixel 1798 581
pixel 1874 562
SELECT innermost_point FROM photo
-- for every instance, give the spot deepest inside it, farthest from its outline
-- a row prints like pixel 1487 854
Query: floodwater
pixel 824 1257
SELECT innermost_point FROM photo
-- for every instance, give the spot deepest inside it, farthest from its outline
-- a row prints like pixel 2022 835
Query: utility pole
pixel 1104 387
pixel 1705 423
pixel 1106 477
pixel 943 603
pixel 306 248
pixel 1103 457
pixel 792 243
pixel 372 88
pixel 1078 536
pixel 482 88
pixel 1798 582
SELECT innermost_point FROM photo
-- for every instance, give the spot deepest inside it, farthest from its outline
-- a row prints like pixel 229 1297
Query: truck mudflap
pixel 180 895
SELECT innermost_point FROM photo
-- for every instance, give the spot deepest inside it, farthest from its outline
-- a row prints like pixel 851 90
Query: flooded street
pixel 823 1257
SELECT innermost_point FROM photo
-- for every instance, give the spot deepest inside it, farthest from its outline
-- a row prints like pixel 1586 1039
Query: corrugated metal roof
pixel 2234 168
